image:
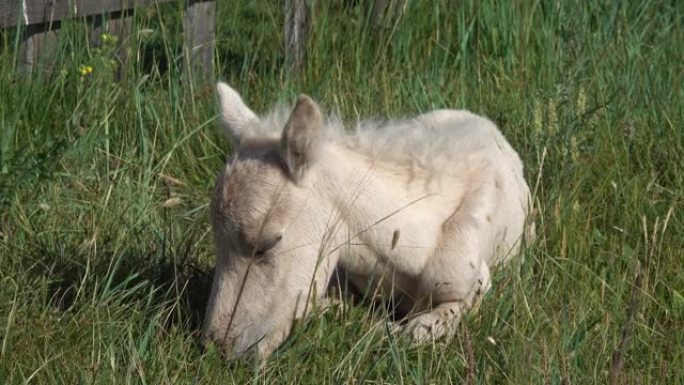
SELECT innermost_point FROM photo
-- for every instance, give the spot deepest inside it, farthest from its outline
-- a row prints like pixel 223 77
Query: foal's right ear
pixel 301 137
pixel 235 115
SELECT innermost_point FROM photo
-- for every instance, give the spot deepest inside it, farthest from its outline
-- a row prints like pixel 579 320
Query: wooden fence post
pixel 386 10
pixel 297 24
pixel 39 44
pixel 199 27
pixel 117 24
pixel 122 27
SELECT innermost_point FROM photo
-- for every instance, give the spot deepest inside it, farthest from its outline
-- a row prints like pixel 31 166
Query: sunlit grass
pixel 105 245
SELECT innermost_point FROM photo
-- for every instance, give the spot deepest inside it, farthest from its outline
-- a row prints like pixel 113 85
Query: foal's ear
pixel 301 137
pixel 235 115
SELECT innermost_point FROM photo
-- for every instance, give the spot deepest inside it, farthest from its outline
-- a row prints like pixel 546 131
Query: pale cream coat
pixel 421 208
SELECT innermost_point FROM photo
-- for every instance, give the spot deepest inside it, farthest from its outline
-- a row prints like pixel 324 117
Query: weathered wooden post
pixel 378 12
pixel 122 27
pixel 37 38
pixel 384 10
pixel 199 27
pixel 297 24
pixel 38 43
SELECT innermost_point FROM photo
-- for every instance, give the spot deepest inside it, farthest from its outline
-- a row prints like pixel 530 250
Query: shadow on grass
pixel 75 280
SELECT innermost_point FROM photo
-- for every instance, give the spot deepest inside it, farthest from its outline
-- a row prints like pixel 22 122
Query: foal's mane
pixel 432 140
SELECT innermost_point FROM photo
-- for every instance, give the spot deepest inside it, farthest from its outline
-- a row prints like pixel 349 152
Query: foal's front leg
pixel 457 276
pixel 443 319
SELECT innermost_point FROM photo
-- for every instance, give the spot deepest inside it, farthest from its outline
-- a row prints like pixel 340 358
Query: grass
pixel 105 245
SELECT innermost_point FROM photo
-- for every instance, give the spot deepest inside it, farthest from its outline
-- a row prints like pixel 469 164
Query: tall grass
pixel 105 246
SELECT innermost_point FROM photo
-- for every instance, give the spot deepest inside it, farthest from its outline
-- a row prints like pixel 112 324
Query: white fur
pixel 235 115
pixel 446 182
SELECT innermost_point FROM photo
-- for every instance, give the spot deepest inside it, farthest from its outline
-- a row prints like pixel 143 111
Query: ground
pixel 105 243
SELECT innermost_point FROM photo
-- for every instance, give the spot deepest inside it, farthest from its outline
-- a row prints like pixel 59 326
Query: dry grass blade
pixel 618 360
pixel 470 355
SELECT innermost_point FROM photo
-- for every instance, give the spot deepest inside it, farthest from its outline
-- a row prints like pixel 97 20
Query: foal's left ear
pixel 301 137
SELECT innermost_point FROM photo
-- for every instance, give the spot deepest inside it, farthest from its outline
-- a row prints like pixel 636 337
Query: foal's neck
pixel 377 196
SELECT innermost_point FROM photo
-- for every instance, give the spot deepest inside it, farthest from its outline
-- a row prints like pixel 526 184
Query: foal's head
pixel 267 225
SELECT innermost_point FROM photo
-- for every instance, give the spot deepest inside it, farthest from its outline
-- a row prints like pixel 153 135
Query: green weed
pixel 105 245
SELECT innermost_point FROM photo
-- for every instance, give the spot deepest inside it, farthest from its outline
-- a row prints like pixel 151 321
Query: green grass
pixel 101 282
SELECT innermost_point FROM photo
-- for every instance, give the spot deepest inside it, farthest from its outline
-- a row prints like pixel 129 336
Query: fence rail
pixel 41 20
pixel 31 12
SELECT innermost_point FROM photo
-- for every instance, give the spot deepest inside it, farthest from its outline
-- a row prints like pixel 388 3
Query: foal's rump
pixel 459 135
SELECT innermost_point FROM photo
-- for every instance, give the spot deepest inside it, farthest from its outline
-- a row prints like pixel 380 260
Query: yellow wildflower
pixel 108 38
pixel 85 70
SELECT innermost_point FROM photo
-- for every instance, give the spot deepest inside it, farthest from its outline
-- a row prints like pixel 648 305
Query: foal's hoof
pixel 427 327
pixel 439 323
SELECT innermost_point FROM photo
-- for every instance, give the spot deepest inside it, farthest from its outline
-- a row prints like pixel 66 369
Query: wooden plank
pixel 199 27
pixel 122 28
pixel 12 12
pixel 43 49
pixel 386 11
pixel 38 45
pixel 297 15
pixel 378 13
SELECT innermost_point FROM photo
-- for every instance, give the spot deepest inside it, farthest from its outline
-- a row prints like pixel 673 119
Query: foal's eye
pixel 266 244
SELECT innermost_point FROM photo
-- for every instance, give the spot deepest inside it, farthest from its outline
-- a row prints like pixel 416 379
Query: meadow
pixel 106 250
